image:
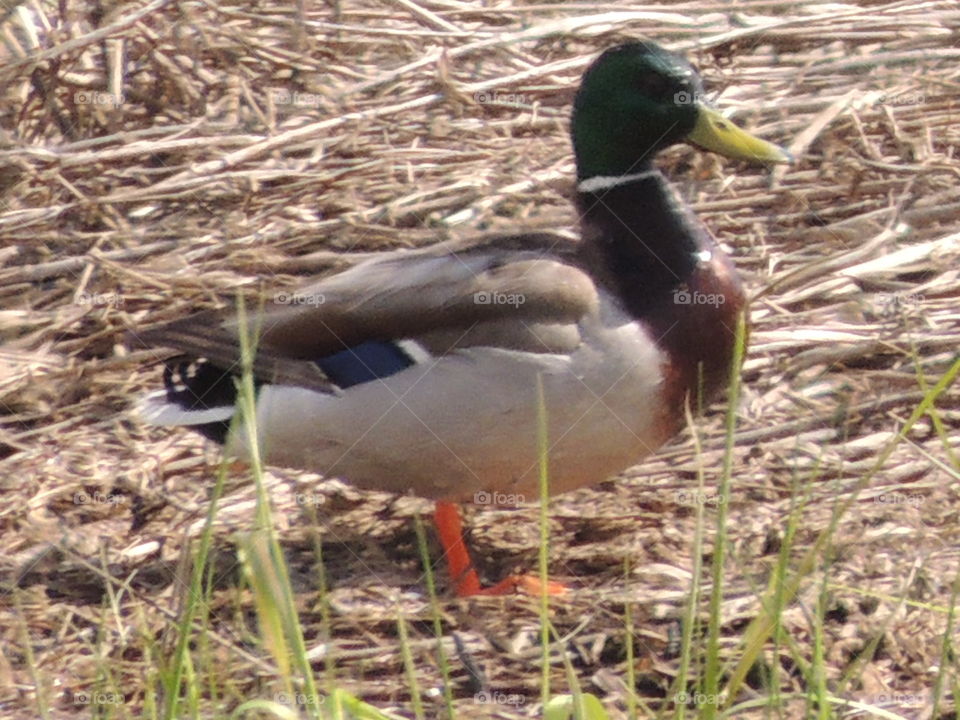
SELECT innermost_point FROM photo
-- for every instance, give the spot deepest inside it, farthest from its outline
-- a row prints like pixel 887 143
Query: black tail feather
pixel 200 385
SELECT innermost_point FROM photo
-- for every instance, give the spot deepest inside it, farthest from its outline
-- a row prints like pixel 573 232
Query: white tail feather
pixel 155 409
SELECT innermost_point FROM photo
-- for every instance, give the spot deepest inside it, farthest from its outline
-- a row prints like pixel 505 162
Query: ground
pixel 159 157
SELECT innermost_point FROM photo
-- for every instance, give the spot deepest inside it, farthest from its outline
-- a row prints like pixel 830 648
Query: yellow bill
pixel 715 133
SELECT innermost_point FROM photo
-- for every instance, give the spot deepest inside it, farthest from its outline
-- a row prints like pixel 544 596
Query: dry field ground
pixel 158 157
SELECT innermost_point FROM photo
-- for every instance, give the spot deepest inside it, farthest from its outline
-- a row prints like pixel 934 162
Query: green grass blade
pixel 435 614
pixel 712 666
pixel 544 488
pixel 761 627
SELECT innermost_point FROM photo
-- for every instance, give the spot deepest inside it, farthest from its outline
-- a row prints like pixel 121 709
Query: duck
pixel 427 371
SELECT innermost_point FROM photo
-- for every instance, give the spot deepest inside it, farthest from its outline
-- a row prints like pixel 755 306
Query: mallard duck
pixel 417 371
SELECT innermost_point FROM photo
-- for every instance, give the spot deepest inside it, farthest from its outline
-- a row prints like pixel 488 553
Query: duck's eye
pixel 653 85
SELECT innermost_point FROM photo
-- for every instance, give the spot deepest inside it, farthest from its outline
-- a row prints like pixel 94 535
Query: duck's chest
pixel 696 329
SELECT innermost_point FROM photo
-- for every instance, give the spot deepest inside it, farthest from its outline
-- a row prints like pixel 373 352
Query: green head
pixel 635 100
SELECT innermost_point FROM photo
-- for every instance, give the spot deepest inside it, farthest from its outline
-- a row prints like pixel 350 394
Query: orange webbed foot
pixel 525 584
pixel 466 582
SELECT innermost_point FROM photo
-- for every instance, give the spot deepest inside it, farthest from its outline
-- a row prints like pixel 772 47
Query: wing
pixel 523 293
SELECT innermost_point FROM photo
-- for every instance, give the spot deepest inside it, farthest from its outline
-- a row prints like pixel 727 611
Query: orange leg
pixel 466 582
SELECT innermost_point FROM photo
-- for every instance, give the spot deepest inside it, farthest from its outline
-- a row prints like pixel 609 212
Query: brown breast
pixel 697 329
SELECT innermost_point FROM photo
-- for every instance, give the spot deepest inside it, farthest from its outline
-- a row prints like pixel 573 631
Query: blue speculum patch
pixel 364 362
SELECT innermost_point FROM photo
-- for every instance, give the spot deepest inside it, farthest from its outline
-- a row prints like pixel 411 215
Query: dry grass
pixel 253 144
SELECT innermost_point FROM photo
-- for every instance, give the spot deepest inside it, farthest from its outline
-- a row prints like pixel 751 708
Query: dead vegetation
pixel 159 157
